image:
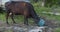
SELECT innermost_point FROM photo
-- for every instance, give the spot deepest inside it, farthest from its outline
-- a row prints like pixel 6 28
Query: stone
pixel 18 29
pixel 37 29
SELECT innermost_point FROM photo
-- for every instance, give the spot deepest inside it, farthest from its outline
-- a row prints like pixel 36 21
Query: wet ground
pixel 16 28
pixel 31 28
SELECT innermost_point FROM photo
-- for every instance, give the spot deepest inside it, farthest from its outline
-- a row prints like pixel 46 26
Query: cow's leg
pixel 12 17
pixel 7 15
pixel 25 20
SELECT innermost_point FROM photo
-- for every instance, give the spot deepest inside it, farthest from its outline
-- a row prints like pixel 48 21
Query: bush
pixel 1 10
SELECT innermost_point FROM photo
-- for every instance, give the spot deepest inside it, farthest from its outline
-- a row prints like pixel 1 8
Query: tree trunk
pixel 43 3
pixel 0 2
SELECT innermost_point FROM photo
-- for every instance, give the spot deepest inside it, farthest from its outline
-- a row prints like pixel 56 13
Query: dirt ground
pixel 16 27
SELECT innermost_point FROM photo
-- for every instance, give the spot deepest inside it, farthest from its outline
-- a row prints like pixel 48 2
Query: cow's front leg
pixel 26 20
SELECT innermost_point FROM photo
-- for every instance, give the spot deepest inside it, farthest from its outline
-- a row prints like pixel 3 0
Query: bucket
pixel 41 22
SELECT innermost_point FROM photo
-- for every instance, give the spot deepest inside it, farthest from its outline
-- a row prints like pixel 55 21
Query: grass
pixel 40 9
pixel 2 17
pixel 18 18
pixel 57 30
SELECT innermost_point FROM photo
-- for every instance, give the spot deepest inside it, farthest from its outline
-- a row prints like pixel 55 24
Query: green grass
pixel 2 17
pixel 21 18
pixel 39 10
pixel 57 30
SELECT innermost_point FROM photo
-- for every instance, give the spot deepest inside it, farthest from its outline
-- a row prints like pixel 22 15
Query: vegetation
pixel 52 2
pixel 57 30
pixel 1 9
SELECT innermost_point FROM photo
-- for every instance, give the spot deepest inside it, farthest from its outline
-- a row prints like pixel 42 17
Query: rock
pixel 36 29
pixel 2 29
pixel 19 29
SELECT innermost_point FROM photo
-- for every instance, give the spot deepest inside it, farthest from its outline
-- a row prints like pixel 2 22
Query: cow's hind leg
pixel 12 18
pixel 7 15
